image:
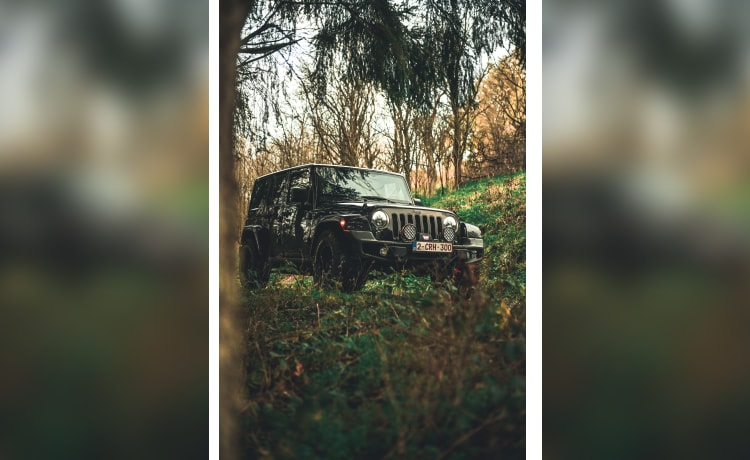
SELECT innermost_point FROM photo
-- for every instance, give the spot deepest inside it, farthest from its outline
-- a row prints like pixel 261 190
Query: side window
pixel 259 196
pixel 299 178
pixel 279 190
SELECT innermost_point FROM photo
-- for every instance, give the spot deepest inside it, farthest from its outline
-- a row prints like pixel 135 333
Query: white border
pixel 534 229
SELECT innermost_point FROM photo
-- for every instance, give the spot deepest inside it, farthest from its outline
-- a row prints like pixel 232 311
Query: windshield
pixel 337 184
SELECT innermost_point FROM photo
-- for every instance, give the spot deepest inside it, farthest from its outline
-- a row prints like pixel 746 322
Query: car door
pixel 295 218
pixel 278 200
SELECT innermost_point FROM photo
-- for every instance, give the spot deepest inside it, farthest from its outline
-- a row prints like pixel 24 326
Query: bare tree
pixel 343 121
pixel 416 143
pixel 402 141
pixel 432 132
pixel 463 116
pixel 465 31
pixel 499 144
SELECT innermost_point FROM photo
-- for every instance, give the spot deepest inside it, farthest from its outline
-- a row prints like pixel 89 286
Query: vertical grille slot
pixel 430 224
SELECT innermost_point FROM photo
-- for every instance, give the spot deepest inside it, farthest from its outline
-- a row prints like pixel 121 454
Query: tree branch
pixel 267 49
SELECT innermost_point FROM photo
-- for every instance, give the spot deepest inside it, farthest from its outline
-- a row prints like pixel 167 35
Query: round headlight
pixel 450 222
pixel 379 220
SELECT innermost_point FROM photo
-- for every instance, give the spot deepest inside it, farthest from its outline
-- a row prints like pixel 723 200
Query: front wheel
pixel 466 279
pixel 254 271
pixel 333 267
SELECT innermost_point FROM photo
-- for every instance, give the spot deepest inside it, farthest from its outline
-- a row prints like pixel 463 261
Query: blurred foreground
pixel 104 229
pixel 646 229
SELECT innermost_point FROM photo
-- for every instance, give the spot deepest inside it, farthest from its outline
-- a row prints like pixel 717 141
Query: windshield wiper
pixel 377 198
pixel 338 196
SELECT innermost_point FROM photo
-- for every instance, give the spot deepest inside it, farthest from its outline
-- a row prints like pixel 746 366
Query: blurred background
pixel 646 234
pixel 103 229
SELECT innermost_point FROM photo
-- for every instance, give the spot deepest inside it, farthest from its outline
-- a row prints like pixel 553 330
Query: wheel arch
pixel 328 225
pixel 255 236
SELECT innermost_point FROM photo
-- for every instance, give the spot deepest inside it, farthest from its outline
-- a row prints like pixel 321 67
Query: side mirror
pixel 417 202
pixel 298 194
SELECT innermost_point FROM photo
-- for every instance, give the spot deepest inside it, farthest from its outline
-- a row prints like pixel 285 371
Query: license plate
pixel 426 246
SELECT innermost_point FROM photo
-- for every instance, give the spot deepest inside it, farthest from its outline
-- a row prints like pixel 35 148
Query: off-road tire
pixel 254 270
pixel 334 267
pixel 467 279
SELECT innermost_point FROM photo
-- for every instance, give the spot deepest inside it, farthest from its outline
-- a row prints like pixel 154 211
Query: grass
pixel 401 369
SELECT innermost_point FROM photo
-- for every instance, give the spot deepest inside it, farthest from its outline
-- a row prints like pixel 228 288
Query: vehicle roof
pixel 327 166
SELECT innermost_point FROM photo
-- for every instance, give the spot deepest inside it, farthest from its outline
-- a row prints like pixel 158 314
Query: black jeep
pixel 338 223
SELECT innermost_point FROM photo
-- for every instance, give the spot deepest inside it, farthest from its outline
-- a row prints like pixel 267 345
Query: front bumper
pixel 467 251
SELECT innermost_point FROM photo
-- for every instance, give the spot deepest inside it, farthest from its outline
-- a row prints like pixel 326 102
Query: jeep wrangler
pixel 338 223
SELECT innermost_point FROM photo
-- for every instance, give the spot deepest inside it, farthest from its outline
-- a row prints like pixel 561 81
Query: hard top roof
pixel 327 166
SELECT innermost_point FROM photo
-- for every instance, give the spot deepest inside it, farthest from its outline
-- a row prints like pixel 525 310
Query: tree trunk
pixel 457 153
pixel 232 16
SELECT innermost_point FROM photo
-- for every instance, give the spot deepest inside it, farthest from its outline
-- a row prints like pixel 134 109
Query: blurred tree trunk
pixel 232 15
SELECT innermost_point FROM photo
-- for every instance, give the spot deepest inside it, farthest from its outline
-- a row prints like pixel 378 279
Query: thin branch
pixel 268 49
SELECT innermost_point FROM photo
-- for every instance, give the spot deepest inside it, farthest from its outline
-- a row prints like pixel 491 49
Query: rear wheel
pixel 333 267
pixel 254 271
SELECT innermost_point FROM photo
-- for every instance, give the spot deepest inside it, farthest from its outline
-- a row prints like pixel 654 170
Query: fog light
pixel 409 232
pixel 449 234
pixel 384 251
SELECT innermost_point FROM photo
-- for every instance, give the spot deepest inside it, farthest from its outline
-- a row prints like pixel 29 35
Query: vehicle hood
pixel 359 207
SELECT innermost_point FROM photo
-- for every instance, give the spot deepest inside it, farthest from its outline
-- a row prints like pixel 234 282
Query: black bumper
pixel 468 251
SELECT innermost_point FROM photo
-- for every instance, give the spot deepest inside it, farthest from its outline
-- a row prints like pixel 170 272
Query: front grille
pixel 432 224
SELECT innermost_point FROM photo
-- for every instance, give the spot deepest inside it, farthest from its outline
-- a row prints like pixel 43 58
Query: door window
pixel 279 190
pixel 259 197
pixel 299 178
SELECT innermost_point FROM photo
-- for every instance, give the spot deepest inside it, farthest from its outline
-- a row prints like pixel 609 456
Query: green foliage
pixel 498 207
pixel 401 369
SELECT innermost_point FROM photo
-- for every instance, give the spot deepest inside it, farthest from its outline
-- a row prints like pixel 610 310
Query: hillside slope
pixel 401 369
pixel 498 207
